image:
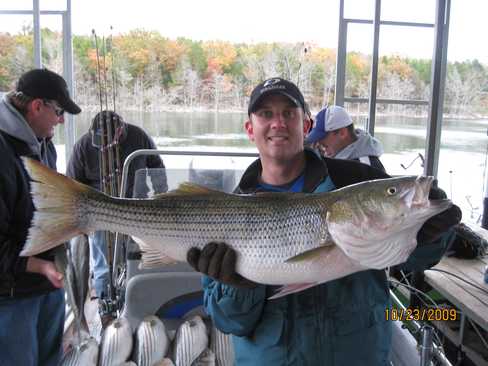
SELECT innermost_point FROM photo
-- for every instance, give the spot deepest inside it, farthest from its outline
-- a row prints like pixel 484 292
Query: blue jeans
pixel 31 330
pixel 98 262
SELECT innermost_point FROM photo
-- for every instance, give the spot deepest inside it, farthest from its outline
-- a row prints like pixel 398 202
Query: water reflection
pixel 184 129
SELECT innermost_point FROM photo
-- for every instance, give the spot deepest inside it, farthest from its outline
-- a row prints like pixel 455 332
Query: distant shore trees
pixel 153 72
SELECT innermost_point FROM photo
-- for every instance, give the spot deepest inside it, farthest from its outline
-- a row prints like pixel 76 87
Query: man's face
pixel 277 127
pixel 332 143
pixel 44 117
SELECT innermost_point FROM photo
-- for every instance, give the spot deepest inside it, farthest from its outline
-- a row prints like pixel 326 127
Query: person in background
pixel 31 295
pixel 341 322
pixel 334 136
pixel 84 166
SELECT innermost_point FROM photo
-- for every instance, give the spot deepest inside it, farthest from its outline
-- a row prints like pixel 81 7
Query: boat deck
pixel 470 333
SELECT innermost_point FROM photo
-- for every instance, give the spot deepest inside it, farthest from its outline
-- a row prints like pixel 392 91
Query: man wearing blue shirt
pixel 341 322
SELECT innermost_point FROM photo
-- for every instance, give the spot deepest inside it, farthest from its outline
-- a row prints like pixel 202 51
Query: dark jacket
pixel 84 165
pixel 16 207
pixel 341 322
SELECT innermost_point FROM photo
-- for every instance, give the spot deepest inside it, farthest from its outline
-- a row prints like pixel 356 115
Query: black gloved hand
pixel 440 223
pixel 218 261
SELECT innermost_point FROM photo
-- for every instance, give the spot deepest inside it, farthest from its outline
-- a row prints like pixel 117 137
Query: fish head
pixel 383 216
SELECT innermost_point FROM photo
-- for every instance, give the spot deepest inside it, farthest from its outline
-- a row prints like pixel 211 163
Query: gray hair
pixel 19 100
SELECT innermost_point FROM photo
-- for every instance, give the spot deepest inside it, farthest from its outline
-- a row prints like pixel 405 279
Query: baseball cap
pixel 328 119
pixel 46 84
pixel 275 86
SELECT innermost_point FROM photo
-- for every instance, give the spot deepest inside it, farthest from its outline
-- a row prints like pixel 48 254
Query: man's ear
pixel 249 129
pixel 307 124
pixel 343 132
pixel 35 106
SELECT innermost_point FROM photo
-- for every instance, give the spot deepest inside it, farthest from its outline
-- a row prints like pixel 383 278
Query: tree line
pixel 151 72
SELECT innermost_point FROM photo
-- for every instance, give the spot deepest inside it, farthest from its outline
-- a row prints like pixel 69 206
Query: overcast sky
pixel 273 20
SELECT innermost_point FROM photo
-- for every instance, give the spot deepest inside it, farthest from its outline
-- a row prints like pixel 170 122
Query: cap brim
pixel 315 135
pixel 270 92
pixel 69 106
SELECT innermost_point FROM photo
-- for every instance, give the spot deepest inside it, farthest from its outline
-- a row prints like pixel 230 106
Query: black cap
pixel 45 84
pixel 275 86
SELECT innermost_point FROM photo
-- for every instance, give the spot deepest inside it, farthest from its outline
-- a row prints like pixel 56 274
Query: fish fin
pixel 152 258
pixel 291 289
pixel 56 199
pixel 311 254
pixel 187 188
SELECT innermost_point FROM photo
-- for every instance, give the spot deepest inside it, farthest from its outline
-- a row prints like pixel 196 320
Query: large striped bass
pixel 294 239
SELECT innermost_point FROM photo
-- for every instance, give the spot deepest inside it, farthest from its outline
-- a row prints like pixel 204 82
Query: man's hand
pixel 47 269
pixel 440 223
pixel 218 261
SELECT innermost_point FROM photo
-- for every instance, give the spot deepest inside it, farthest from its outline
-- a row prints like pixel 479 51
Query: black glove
pixel 218 261
pixel 440 223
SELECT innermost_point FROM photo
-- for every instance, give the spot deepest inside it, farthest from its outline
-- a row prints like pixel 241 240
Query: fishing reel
pixel 107 307
pixel 110 306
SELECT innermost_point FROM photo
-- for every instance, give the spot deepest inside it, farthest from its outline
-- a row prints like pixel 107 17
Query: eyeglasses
pixel 57 110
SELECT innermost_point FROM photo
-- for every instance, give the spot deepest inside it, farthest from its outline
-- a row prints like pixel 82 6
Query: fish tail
pixel 56 216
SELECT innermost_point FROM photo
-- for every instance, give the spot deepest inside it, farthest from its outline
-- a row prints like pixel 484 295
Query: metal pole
pixel 426 348
pixel 439 60
pixel 69 131
pixel 37 34
pixel 341 58
pixel 484 220
pixel 374 68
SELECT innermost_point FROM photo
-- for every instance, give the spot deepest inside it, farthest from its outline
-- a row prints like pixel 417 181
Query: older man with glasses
pixel 31 294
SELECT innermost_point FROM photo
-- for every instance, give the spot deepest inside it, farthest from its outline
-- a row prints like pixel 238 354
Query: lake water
pixel 462 161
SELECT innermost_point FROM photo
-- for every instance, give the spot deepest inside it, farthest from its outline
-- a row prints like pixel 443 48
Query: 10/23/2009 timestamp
pixel 425 314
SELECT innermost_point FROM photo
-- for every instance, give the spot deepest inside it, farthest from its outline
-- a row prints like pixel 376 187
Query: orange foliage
pixel 220 55
pixel 398 66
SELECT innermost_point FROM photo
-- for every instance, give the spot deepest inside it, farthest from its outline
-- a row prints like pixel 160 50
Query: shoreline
pixel 235 110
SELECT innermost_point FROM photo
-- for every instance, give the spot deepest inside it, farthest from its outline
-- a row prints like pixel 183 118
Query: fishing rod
pixel 118 163
pixel 105 127
pixel 419 156
pixel 110 125
pixel 98 69
pixel 114 80
pixel 105 84
pixel 303 55
pixel 100 126
pixel 119 265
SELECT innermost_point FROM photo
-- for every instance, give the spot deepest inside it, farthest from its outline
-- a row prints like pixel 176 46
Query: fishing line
pixel 461 279
pixel 436 335
pixel 418 291
pixel 404 277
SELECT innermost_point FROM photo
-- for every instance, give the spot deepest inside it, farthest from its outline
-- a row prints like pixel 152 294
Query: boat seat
pixel 169 295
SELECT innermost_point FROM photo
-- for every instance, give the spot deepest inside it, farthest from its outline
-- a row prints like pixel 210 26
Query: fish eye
pixel 391 191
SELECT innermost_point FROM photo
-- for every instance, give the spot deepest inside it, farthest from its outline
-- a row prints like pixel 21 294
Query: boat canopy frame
pixel 438 74
pixel 68 69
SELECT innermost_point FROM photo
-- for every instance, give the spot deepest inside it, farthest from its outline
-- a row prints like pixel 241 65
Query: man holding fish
pixel 340 322
pixel 31 298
